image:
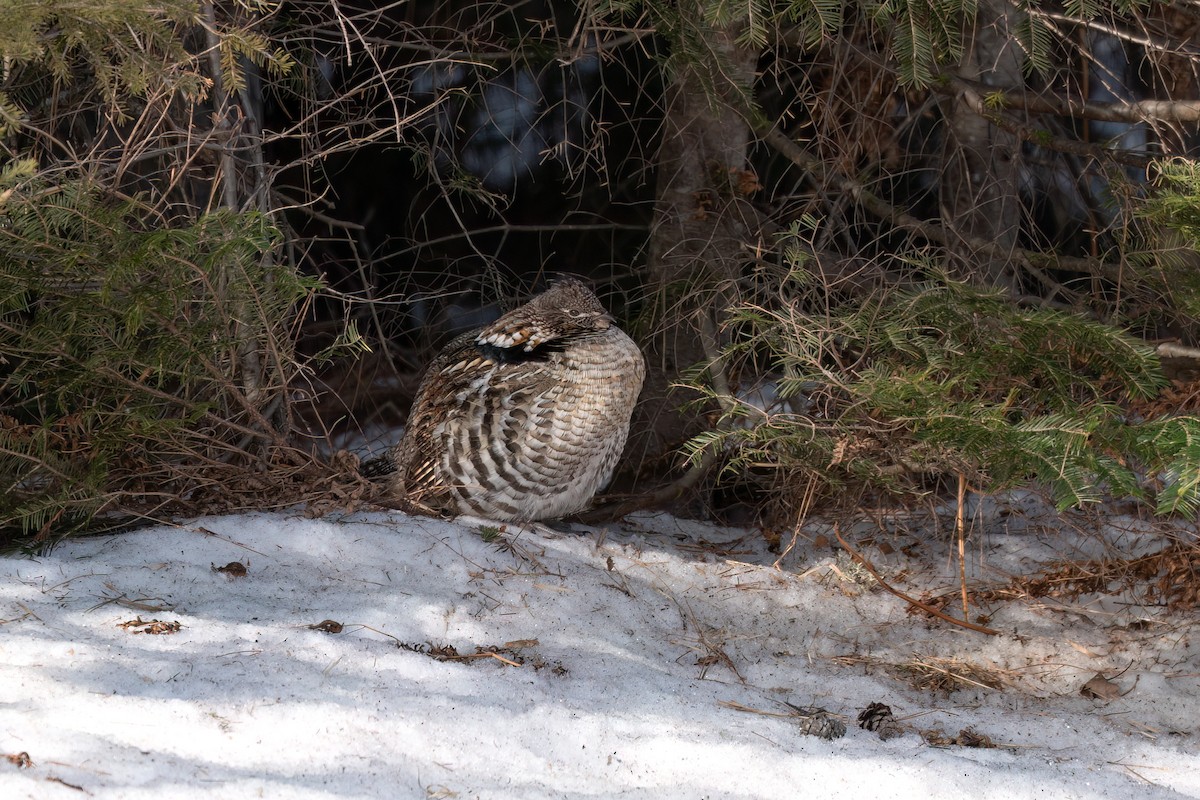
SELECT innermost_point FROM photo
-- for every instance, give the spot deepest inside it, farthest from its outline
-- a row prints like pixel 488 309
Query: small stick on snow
pixel 857 556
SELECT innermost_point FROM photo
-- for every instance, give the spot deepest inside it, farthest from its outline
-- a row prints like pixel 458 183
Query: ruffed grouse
pixel 523 420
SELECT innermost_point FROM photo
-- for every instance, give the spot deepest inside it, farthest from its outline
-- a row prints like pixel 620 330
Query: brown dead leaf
pixel 965 738
pixel 20 760
pixel 517 644
pixel 154 627
pixel 969 738
pixel 1086 651
pixel 234 569
pixel 1100 688
pixel 327 626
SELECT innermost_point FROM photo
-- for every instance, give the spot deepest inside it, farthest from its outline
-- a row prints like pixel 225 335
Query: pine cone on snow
pixel 878 719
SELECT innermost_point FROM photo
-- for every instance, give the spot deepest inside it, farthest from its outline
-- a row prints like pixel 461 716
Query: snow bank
pixel 654 659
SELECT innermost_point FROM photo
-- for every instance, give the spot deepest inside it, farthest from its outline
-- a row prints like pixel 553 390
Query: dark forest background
pixel 872 249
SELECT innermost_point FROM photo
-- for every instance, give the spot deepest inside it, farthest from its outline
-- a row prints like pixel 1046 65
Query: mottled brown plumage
pixel 525 419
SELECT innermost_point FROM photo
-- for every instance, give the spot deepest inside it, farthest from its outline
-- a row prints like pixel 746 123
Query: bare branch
pixel 931 231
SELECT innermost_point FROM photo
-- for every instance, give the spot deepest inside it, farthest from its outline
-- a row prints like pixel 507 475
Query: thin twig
pixel 931 231
pixel 962 550
pixel 857 556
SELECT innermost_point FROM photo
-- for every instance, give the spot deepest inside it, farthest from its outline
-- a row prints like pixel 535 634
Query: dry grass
pixel 936 674
pixel 1169 578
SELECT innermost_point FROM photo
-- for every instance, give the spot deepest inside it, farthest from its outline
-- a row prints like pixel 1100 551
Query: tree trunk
pixel 702 226
pixel 980 162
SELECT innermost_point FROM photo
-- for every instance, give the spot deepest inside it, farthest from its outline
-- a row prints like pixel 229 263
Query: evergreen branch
pixel 975 101
pixel 948 378
pixel 1018 99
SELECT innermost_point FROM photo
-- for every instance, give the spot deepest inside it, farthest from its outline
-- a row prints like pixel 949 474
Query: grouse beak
pixel 603 322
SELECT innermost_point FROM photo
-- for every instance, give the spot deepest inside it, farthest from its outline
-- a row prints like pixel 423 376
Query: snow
pixel 650 659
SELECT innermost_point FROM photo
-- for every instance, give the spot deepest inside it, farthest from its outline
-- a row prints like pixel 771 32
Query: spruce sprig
pixel 120 374
pixel 942 377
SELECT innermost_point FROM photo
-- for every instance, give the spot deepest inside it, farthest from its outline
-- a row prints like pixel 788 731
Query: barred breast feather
pixel 525 419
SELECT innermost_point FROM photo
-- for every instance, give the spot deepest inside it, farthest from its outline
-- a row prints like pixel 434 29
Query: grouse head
pixel 568 310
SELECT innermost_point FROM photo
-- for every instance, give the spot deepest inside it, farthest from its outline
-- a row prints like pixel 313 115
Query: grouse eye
pixel 590 319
